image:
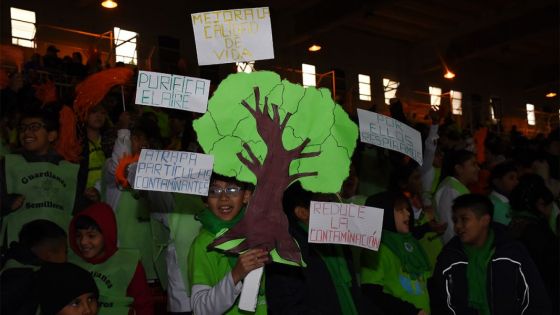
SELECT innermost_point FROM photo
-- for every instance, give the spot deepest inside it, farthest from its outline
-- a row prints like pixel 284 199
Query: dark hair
pixel 296 196
pixel 401 172
pixel 453 158
pixel 49 116
pixel 501 170
pixel 242 185
pixel 39 231
pixel 84 222
pixel 525 195
pixel 387 201
pixel 479 204
pixel 148 128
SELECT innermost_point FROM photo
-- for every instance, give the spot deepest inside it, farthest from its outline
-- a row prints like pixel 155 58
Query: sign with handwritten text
pixel 172 91
pixel 341 223
pixel 389 133
pixel 235 35
pixel 174 171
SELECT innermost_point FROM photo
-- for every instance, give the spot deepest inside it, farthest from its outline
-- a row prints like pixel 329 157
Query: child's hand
pixel 92 194
pixel 438 228
pixel 422 312
pixel 17 202
pixel 247 262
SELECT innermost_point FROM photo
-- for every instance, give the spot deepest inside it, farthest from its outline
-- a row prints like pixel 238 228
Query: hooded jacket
pixel 103 215
pixel 514 285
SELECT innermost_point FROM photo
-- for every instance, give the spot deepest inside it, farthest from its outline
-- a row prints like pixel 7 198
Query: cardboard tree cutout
pixel 271 133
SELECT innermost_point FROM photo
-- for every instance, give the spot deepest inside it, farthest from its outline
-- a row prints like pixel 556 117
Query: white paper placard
pixel 174 171
pixel 389 133
pixel 172 91
pixel 341 223
pixel 232 35
pixel 250 290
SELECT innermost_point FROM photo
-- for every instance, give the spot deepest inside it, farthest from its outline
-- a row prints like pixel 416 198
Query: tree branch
pixel 252 167
pixel 276 116
pixel 285 121
pixel 308 154
pixel 265 109
pixel 297 150
pixel 300 175
pixel 254 158
pixel 257 97
pixel 248 107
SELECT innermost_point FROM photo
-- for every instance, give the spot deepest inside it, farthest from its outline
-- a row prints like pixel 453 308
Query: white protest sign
pixel 232 35
pixel 172 91
pixel 341 223
pixel 174 171
pixel 390 133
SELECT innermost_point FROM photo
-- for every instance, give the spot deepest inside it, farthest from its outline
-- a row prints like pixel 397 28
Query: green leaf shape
pixel 227 125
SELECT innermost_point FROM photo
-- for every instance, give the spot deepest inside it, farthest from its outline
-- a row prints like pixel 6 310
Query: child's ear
pixel 247 196
pixel 52 136
pixel 302 213
pixel 486 219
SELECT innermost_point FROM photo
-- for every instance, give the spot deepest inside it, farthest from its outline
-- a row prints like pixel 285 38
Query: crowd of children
pixel 474 230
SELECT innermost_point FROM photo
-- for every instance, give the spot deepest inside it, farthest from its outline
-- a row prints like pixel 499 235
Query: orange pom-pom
pixel 46 92
pixel 68 145
pixel 94 88
pixel 120 172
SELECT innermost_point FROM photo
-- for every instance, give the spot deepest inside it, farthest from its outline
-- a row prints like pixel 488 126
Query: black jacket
pixel 307 290
pixel 514 285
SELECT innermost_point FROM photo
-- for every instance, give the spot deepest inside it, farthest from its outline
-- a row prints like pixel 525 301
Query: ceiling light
pixel 109 4
pixel 449 74
pixel 550 94
pixel 314 48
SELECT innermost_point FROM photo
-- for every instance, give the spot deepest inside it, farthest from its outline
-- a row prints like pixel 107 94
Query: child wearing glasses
pixel 37 183
pixel 215 278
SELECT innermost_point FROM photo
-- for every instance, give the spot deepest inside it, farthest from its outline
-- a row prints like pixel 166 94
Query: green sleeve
pixel 373 266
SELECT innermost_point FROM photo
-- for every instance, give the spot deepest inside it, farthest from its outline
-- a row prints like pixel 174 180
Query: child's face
pixel 402 217
pixel 34 136
pixel 137 143
pixel 226 199
pixel 506 183
pixel 90 243
pixel 471 229
pixel 96 117
pixel 468 171
pixel 85 304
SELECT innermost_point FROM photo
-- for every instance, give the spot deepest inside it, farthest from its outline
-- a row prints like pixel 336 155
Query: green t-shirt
pixel 209 267
pixel 385 269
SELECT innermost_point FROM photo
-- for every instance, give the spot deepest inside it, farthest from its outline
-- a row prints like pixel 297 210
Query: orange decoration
pixel 120 172
pixel 94 88
pixel 4 79
pixel 46 92
pixel 68 145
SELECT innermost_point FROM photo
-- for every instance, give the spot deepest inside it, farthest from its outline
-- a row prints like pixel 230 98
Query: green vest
pixel 502 210
pixel 209 267
pixel 134 229
pixel 49 191
pixel 430 242
pixel 184 227
pixel 95 163
pixel 384 268
pixel 456 184
pixel 112 278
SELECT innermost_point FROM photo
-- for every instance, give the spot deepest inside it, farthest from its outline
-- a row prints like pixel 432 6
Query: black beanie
pixel 59 284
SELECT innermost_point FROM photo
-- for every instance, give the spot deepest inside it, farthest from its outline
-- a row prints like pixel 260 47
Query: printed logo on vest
pixel 49 174
pixel 103 278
